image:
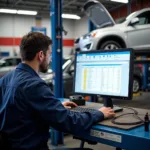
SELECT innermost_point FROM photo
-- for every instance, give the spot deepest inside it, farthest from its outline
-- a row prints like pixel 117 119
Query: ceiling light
pixel 71 16
pixel 14 11
pixel 10 11
pixel 26 12
pixel 120 1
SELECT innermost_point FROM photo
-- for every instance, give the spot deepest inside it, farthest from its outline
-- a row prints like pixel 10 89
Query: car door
pixel 138 35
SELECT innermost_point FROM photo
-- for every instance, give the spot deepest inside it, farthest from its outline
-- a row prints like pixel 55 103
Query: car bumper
pixel 86 44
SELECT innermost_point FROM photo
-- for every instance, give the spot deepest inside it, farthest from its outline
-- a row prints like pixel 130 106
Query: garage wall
pixel 80 27
pixel 13 27
pixel 136 5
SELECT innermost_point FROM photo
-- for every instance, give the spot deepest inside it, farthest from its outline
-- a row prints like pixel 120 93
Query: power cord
pixel 135 114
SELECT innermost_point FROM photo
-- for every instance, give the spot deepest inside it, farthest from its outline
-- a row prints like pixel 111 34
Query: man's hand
pixel 108 112
pixel 69 104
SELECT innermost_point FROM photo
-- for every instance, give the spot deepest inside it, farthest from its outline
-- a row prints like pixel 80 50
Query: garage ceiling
pixel 42 6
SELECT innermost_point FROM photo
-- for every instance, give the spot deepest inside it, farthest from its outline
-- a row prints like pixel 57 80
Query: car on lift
pixel 130 32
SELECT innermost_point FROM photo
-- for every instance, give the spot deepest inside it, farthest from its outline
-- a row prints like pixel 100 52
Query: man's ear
pixel 40 56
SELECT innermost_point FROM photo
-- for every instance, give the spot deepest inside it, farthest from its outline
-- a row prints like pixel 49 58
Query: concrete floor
pixel 142 101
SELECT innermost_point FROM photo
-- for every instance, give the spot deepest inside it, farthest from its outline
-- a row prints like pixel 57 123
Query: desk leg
pixel 82 144
pixel 118 148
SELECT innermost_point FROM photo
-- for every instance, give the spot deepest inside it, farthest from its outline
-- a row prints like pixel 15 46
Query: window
pixel 3 64
pixel 10 62
pixel 144 18
pixel 18 60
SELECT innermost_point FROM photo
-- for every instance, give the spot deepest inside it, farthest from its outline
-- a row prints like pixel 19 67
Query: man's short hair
pixel 32 43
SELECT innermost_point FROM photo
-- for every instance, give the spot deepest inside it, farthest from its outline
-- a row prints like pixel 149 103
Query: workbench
pixel 133 139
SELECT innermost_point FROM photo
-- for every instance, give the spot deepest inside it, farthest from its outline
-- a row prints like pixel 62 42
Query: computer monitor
pixel 105 73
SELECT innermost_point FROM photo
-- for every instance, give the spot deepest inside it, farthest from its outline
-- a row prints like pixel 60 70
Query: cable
pixel 135 114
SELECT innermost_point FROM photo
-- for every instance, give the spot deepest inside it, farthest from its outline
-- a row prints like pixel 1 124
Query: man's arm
pixel 52 111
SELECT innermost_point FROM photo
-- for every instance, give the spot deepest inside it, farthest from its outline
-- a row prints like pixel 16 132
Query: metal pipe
pixel 129 7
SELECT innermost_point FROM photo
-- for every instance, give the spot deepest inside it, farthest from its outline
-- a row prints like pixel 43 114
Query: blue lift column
pixel 57 51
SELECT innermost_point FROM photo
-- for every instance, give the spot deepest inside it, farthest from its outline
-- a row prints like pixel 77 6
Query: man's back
pixel 18 120
pixel 28 108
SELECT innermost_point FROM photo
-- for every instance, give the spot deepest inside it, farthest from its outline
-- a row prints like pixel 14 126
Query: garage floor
pixel 142 101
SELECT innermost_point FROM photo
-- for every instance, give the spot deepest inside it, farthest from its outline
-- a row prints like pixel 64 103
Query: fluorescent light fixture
pixel 14 11
pixel 9 11
pixel 26 12
pixel 71 16
pixel 120 1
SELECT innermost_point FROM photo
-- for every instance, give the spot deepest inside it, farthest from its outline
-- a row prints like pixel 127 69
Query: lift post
pixel 57 52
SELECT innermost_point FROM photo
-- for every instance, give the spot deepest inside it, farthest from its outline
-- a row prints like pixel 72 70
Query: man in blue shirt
pixel 27 105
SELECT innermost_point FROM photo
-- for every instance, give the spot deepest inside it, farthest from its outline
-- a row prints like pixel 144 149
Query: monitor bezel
pixel 130 86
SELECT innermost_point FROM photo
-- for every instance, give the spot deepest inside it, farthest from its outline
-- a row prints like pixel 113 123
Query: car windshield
pixel 2 63
pixel 122 20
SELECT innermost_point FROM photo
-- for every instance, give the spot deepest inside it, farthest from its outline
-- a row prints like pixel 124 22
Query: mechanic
pixel 27 106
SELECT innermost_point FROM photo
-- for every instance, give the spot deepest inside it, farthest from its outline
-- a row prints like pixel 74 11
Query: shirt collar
pixel 27 68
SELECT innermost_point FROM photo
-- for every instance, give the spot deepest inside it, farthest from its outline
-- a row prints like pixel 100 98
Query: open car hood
pixel 98 14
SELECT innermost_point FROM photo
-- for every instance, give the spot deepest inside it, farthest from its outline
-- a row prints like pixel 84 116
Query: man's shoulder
pixel 6 77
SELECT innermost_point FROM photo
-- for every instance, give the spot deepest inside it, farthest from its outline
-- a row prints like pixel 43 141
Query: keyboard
pixel 82 109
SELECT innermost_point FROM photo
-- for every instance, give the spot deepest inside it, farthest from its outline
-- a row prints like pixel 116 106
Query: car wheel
pixel 136 85
pixel 110 45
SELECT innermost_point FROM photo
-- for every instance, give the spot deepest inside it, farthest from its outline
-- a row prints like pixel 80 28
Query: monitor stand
pixel 108 103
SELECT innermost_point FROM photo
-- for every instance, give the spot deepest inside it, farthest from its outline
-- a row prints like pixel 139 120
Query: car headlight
pixel 86 36
pixel 90 35
pixel 93 34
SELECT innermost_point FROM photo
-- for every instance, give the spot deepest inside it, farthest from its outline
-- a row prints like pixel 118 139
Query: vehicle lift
pixel 145 61
pixel 57 52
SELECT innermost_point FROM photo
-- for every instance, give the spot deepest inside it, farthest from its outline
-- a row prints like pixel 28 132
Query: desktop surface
pixel 127 121
pixel 135 138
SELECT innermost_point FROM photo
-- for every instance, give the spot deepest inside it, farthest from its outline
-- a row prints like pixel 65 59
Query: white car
pixel 132 32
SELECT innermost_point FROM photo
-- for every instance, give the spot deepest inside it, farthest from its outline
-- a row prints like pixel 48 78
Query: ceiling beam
pixel 67 4
pixel 17 2
pixel 9 6
pixel 35 3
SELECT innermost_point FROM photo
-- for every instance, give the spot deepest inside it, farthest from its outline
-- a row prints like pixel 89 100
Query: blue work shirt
pixel 28 108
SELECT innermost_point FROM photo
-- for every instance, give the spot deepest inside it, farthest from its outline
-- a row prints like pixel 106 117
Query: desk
pixel 134 139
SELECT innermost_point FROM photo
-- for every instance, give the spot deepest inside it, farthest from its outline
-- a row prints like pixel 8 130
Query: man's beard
pixel 44 66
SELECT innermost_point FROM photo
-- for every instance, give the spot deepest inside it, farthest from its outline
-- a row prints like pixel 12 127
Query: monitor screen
pixel 107 73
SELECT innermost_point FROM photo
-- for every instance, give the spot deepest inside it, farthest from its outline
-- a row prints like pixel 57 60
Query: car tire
pixel 110 45
pixel 136 85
